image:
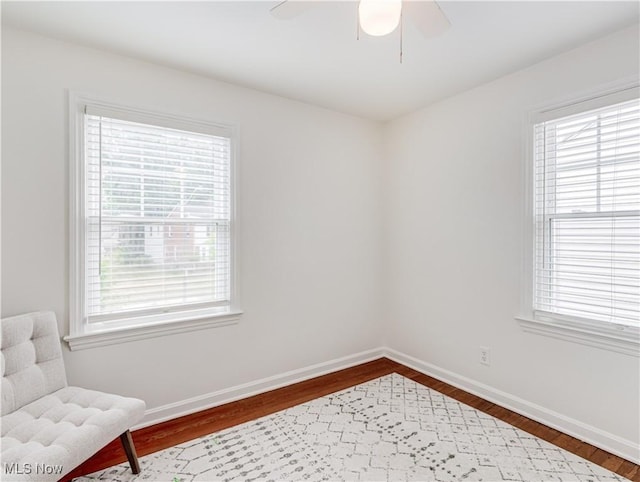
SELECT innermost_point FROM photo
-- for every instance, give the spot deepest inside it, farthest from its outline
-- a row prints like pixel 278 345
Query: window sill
pixel 599 335
pixel 123 335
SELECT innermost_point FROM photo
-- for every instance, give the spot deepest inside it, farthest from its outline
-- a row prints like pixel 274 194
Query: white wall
pixel 310 228
pixel 455 242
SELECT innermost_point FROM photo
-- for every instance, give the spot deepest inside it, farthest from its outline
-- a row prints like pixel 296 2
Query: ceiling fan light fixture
pixel 379 17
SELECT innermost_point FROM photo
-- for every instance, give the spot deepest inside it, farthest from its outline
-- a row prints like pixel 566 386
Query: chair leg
pixel 130 450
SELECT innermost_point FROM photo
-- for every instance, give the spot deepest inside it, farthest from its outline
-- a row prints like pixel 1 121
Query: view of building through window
pixel 158 217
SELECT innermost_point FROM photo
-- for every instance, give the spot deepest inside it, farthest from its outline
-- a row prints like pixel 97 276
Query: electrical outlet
pixel 485 355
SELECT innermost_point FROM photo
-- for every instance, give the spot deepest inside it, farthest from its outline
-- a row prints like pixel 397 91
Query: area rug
pixel 391 428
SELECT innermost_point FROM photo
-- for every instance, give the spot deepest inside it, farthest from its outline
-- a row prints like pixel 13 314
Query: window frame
pixel 85 335
pixel 601 334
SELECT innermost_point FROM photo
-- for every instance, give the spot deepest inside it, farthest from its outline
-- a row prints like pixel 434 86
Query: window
pixel 587 213
pixel 153 221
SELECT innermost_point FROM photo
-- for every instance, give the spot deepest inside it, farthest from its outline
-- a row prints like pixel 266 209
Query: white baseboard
pixel 220 397
pixel 580 430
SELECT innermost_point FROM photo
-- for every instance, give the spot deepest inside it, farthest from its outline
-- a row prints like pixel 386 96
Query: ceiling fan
pixel 380 17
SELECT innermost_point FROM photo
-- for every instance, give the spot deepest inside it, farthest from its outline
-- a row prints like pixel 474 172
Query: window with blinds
pixel 158 213
pixel 587 215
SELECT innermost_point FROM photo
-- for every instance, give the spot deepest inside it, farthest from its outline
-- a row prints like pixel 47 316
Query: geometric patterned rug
pixel 391 428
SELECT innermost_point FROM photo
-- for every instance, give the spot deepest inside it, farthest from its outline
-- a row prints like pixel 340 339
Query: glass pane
pixel 158 217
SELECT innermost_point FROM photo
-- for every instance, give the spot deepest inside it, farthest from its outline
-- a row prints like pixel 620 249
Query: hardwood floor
pixel 167 434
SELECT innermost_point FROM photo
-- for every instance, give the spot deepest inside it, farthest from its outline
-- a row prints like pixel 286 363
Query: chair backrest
pixel 32 364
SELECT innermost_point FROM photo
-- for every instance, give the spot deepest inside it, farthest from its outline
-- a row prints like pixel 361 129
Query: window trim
pixel 599 334
pixel 80 335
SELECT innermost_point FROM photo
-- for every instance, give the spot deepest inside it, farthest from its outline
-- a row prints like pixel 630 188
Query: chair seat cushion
pixel 63 428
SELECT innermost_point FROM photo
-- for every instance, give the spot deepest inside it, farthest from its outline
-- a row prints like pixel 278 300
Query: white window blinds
pixel 587 215
pixel 158 214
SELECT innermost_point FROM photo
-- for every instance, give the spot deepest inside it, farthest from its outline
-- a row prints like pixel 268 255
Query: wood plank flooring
pixel 172 432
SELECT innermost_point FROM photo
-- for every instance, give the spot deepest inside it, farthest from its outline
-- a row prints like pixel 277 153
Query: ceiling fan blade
pixel 427 16
pixel 290 9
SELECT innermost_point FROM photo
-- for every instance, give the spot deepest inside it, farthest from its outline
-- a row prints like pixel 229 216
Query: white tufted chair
pixel 49 428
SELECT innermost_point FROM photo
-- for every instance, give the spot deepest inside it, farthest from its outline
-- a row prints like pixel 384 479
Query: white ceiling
pixel 316 57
